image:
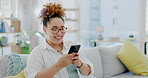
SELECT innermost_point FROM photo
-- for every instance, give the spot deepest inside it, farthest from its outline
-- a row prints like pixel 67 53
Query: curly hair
pixel 51 10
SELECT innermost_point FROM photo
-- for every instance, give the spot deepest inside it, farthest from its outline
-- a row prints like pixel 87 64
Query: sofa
pixel 104 58
pixel 107 64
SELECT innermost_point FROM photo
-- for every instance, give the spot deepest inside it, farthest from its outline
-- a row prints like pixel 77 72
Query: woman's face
pixel 55 30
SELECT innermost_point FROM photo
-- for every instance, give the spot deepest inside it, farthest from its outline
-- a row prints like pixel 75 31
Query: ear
pixel 44 29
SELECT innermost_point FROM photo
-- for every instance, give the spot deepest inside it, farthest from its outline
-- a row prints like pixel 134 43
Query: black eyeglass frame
pixel 64 30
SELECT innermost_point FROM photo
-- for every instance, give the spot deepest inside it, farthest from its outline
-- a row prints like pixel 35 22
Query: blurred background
pixel 90 23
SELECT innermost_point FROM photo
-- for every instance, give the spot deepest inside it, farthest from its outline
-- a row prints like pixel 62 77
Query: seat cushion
pixel 133 58
pixel 110 62
pixel 94 56
pixel 128 75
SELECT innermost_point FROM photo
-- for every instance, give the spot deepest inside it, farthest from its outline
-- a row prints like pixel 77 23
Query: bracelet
pixel 80 65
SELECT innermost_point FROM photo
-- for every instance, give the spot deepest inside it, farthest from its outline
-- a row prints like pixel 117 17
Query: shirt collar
pixel 66 44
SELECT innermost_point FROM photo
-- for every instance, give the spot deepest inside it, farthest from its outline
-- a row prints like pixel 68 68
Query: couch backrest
pixel 110 62
pixel 93 55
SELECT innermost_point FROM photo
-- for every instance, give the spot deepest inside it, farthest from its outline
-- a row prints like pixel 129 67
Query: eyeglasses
pixel 56 30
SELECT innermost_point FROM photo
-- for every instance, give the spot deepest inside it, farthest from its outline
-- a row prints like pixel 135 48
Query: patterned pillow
pixel 14 65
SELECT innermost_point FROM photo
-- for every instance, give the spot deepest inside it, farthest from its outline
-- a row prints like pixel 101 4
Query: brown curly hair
pixel 51 10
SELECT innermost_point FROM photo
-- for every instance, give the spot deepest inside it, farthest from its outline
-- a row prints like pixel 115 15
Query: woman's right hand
pixel 64 60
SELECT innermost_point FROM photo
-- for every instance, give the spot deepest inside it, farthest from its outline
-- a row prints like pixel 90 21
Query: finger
pixel 70 61
pixel 75 62
pixel 75 53
pixel 74 58
pixel 70 55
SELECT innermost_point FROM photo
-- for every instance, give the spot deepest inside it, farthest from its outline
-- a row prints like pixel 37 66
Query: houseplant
pixel 23 40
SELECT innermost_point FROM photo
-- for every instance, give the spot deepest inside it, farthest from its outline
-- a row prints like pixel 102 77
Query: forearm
pixel 48 73
pixel 85 69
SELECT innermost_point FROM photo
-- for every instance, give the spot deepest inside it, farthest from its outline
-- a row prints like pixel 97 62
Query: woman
pixel 51 59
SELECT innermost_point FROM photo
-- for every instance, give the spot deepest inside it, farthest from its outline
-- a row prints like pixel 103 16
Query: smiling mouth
pixel 58 38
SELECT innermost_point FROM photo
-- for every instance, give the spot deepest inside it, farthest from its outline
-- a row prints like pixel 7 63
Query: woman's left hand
pixel 84 68
pixel 75 59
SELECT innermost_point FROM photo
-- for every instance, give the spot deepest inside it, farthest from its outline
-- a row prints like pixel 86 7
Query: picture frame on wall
pixel 5 4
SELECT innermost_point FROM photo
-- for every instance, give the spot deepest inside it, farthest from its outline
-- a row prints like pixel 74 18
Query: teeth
pixel 58 37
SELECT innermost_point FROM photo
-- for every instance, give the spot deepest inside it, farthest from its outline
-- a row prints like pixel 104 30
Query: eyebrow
pixel 57 26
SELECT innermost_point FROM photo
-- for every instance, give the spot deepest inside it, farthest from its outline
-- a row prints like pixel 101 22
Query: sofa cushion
pixel 94 56
pixel 24 58
pixel 128 75
pixel 110 62
pixel 15 64
pixel 133 58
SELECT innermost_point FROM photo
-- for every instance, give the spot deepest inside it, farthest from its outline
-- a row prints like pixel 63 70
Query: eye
pixel 54 29
pixel 62 28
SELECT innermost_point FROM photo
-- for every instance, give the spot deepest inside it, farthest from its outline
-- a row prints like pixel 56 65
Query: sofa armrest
pixel 3 67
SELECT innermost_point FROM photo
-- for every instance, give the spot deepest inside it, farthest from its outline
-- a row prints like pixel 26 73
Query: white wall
pixel 29 20
pixel 89 20
pixel 129 17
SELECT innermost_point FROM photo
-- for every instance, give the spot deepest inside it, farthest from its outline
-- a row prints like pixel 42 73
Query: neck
pixel 54 45
pixel 57 47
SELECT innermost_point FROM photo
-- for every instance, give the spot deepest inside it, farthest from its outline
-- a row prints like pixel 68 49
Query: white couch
pixel 106 63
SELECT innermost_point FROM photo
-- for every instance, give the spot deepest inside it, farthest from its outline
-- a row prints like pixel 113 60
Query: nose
pixel 59 32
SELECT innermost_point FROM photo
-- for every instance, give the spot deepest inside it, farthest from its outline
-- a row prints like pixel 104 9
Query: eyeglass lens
pixel 56 30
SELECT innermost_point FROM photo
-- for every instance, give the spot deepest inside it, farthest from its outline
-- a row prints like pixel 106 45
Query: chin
pixel 58 42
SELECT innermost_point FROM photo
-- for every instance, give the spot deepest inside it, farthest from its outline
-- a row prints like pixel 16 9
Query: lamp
pixel 100 29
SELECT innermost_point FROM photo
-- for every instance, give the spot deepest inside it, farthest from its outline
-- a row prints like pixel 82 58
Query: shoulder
pixel 37 50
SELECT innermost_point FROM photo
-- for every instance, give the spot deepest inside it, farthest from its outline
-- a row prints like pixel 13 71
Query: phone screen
pixel 74 48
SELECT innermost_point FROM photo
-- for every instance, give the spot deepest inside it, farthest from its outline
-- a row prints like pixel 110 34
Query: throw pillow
pixel 110 62
pixel 19 75
pixel 133 58
pixel 15 64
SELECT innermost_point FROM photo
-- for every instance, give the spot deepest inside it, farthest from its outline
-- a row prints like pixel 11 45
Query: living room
pixel 91 23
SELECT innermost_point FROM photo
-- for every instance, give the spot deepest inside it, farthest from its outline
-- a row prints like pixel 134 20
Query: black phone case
pixel 74 48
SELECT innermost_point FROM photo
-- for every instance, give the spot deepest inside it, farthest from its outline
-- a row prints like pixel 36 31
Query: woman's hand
pixel 65 60
pixel 83 68
pixel 75 59
pixel 68 59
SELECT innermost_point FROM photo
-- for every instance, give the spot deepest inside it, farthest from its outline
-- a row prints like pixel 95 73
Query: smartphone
pixel 74 48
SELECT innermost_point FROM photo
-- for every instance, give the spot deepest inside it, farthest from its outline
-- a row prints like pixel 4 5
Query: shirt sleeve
pixel 34 64
pixel 86 61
